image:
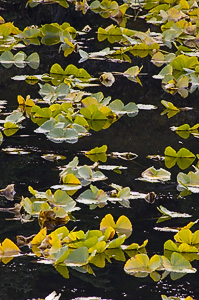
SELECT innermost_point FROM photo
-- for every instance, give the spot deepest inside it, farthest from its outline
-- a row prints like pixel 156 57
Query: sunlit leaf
pixel 123 226
pixel 78 257
pixel 9 247
pixel 97 154
pixel 106 222
pixel 37 240
pixel 155 175
pixel 10 128
pixel 116 243
pixel 177 264
pixel 141 265
pixel 172 214
pixel 184 158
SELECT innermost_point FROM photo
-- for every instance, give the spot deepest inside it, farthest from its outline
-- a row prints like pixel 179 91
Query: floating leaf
pixel 146 106
pixel 77 258
pixel 176 298
pixel 120 109
pixel 33 60
pixel 8 192
pixel 182 248
pixel 141 265
pixel 59 135
pixel 9 247
pixel 188 181
pixel 155 175
pixel 107 79
pixel 122 226
pixel 185 130
pixel 10 128
pixel 97 154
pixel 124 155
pixel 170 214
pixel 186 236
pixel 7 59
pixel 39 237
pixel 177 264
pixel 1 138
pixel 93 196
pixel 53 157
pixel 170 110
pixel 8 250
pixel 116 243
pixel 184 158
pixel 132 74
pixel 106 222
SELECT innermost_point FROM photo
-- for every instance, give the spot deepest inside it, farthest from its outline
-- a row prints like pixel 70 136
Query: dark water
pixel 147 133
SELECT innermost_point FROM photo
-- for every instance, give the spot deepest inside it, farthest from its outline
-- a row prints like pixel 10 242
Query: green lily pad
pixel 184 158
pixel 97 154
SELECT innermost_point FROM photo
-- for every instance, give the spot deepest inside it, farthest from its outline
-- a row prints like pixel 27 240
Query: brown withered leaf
pixel 46 217
pixel 150 197
pixel 23 241
pixel 49 220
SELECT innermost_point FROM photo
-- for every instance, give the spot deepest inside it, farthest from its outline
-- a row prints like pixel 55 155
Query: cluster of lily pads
pixel 55 296
pixel 65 113
pixel 63 248
pixel 48 34
pixel 180 75
pixel 67 121
pixel 80 250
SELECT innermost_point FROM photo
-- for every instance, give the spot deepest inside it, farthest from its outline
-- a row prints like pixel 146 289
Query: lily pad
pixel 120 109
pixel 153 175
pixel 185 130
pixel 97 154
pixel 188 181
pixel 142 266
pixel 122 226
pixel 167 214
pixel 177 264
pixel 184 158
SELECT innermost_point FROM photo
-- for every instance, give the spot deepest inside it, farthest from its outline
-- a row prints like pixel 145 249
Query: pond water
pixel 146 134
